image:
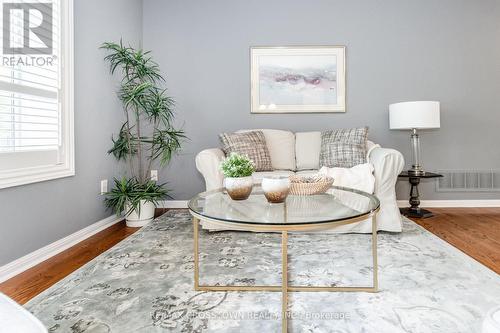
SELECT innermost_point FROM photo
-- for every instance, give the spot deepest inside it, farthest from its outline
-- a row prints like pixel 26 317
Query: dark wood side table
pixel 414 210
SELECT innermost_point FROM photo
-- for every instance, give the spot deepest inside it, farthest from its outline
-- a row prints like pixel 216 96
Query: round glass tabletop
pixel 337 205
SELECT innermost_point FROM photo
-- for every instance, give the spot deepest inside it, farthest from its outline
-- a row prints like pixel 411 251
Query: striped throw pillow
pixel 343 148
pixel 252 144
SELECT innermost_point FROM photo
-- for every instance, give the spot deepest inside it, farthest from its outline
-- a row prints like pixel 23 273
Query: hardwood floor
pixel 26 285
pixel 475 231
pixel 33 281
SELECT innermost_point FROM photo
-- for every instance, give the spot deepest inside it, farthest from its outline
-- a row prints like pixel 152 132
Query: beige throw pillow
pixel 307 150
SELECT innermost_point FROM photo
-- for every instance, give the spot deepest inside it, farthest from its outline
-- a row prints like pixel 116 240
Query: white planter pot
pixel 238 188
pixel 276 188
pixel 139 219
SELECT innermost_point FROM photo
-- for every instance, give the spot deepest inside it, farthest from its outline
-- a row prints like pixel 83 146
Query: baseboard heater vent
pixel 469 181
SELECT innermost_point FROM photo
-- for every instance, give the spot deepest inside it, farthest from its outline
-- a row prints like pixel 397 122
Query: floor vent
pixel 469 181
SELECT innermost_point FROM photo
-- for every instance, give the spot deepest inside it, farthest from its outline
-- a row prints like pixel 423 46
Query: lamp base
pixel 416 172
pixel 416 167
pixel 416 212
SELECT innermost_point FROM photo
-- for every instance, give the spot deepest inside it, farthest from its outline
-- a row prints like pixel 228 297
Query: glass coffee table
pixel 339 206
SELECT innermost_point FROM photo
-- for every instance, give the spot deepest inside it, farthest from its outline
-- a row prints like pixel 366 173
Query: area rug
pixel 145 284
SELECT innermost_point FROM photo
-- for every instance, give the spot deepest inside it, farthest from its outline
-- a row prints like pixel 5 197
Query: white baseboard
pixel 453 203
pixel 173 204
pixel 34 258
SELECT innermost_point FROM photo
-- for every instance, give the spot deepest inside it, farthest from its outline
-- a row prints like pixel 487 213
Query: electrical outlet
pixel 154 175
pixel 104 186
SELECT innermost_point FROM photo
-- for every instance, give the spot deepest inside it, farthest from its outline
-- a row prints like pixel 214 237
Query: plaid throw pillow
pixel 252 144
pixel 343 148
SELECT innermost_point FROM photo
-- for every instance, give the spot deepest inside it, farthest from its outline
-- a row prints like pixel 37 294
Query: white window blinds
pixel 35 92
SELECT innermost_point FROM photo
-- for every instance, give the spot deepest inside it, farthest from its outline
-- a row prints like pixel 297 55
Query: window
pixel 36 91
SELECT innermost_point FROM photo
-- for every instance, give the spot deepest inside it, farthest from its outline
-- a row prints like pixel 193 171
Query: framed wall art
pixel 297 79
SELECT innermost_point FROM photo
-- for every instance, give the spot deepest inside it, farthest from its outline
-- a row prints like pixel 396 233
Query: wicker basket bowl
pixel 309 185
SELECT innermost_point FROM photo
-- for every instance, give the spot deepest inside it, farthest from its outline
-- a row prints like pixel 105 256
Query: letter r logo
pixel 27 28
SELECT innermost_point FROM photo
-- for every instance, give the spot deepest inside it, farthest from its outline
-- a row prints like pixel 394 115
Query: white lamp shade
pixel 410 115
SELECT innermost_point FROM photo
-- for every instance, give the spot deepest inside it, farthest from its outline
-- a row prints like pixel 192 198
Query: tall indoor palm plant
pixel 147 133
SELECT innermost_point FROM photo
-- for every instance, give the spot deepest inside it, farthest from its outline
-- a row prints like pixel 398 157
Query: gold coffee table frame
pixel 284 229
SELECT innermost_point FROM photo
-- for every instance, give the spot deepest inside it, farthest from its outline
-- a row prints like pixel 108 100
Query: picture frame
pixel 298 79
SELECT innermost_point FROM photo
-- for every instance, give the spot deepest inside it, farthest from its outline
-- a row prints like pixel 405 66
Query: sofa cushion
pixel 307 173
pixel 281 145
pixel 343 148
pixel 253 144
pixel 307 150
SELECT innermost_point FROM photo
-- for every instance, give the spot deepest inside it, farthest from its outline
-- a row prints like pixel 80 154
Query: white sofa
pixel 299 153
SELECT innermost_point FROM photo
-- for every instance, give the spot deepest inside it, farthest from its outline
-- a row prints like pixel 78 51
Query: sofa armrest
pixel 387 164
pixel 208 164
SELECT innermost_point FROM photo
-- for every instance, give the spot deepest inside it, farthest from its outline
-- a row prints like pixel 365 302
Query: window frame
pixel 23 176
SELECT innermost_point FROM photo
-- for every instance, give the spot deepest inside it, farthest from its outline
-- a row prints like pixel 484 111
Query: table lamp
pixel 414 116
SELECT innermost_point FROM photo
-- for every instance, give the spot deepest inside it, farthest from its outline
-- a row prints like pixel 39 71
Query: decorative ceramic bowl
pixel 276 189
pixel 238 188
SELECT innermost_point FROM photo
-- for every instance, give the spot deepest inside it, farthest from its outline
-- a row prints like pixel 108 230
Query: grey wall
pixel 37 214
pixel 397 50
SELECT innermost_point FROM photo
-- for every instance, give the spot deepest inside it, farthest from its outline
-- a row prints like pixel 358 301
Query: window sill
pixel 35 175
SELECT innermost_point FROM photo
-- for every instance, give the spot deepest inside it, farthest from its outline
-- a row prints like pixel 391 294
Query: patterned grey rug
pixel 145 284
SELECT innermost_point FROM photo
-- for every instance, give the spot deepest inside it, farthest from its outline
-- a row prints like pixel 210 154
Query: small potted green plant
pixel 238 170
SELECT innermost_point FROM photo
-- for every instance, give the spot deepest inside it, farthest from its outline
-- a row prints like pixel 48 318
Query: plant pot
pixel 276 189
pixel 238 188
pixel 144 216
